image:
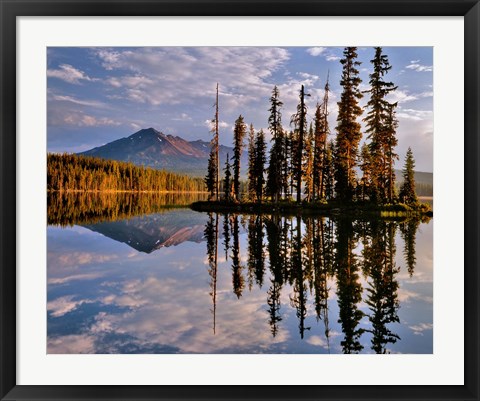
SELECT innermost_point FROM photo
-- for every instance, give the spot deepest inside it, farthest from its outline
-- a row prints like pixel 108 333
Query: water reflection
pixel 275 284
pixel 69 208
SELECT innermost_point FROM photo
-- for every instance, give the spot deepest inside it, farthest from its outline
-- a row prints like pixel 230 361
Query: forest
pixel 68 172
pixel 304 166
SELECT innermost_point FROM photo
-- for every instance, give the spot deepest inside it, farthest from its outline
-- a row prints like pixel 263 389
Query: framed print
pixel 237 200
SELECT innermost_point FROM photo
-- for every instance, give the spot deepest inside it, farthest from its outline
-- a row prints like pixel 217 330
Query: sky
pixel 97 94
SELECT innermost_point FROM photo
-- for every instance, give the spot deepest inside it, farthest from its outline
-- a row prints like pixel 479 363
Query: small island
pixel 305 172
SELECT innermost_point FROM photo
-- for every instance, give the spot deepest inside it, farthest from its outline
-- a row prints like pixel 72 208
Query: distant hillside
pixel 420 177
pixel 423 182
pixel 152 148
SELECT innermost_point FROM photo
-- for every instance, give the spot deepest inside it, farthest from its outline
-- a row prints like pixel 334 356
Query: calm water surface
pixel 134 275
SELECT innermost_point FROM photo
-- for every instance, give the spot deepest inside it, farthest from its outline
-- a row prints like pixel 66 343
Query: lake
pixel 145 274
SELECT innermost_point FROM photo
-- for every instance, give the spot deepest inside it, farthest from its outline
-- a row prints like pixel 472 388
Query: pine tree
pixel 407 191
pixel 321 132
pixel 381 130
pixel 348 129
pixel 239 133
pixel 329 171
pixel 299 119
pixel 210 179
pixel 259 165
pixel 277 157
pixel 251 164
pixel 308 176
pixel 366 166
pixel 227 181
pixel 391 141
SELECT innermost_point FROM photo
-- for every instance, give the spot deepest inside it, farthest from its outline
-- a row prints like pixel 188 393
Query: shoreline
pixel 321 209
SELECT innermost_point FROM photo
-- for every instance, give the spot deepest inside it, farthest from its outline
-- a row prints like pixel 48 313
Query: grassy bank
pixel 356 209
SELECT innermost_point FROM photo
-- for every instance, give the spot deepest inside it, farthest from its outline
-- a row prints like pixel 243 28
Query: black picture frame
pixel 10 9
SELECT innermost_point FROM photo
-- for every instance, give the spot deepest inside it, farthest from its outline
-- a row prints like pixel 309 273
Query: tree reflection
pixel 408 230
pixel 382 298
pixel 349 288
pixel 69 208
pixel 298 277
pixel 211 235
pixel 311 254
pixel 256 254
pixel 238 280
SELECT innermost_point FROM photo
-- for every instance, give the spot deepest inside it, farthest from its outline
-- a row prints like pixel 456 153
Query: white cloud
pixel 415 115
pixel 69 74
pixel 71 99
pixel 418 329
pixel 182 117
pixel 84 120
pixel 71 344
pixel 63 305
pixel 402 96
pixel 159 76
pixel 317 341
pixel 331 57
pixel 419 67
pixel 316 51
pixel 221 124
pixel 74 277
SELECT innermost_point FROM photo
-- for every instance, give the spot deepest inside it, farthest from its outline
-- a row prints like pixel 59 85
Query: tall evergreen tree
pixel 299 119
pixel 321 132
pixel 251 164
pixel 227 181
pixel 210 178
pixel 366 167
pixel 308 167
pixel 381 129
pixel 407 190
pixel 348 129
pixel 239 133
pixel 329 171
pixel 277 156
pixel 391 141
pixel 259 165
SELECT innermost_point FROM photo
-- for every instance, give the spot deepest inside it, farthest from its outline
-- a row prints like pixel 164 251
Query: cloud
pixel 182 117
pixel 415 115
pixel 420 328
pixel 317 341
pixel 332 58
pixel 221 124
pixel 419 67
pixel 63 305
pixel 402 96
pixel 71 344
pixel 69 74
pixel 169 76
pixel 74 277
pixel 71 99
pixel 322 51
pixel 85 120
pixel 78 258
pixel 316 51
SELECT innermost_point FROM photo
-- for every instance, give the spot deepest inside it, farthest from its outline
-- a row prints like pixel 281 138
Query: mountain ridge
pixel 152 148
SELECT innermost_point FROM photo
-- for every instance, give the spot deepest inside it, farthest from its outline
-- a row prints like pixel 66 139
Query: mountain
pixel 151 148
pixel 151 232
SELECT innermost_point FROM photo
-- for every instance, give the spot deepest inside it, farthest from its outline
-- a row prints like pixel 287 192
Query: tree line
pixel 303 162
pixel 68 172
pixel 306 253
